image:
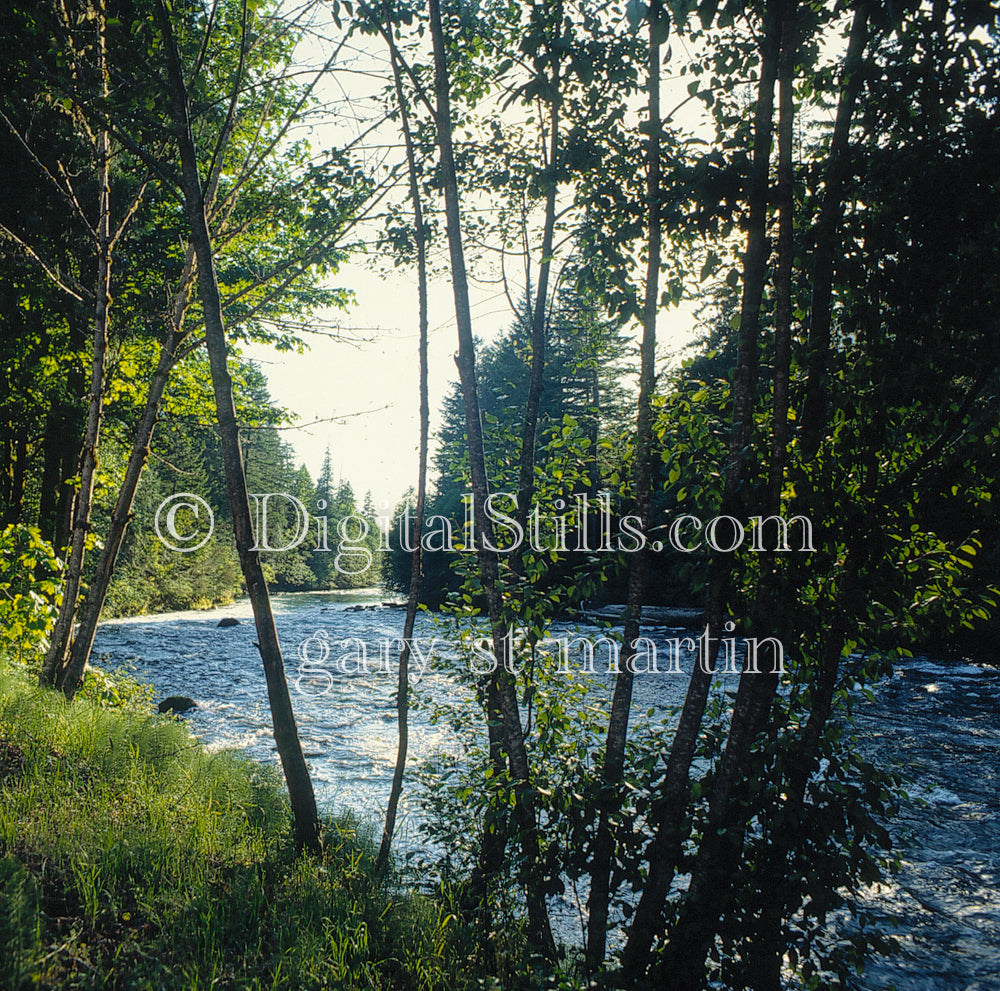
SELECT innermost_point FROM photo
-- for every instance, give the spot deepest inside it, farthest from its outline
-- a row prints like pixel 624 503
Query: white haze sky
pixel 371 386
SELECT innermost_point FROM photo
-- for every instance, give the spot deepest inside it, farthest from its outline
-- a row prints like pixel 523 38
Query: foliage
pixel 888 443
pixel 29 601
pixel 893 544
pixel 143 858
pixel 186 457
pixel 582 419
pixel 279 210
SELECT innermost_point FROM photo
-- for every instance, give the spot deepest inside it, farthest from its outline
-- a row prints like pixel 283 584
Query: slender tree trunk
pixel 663 853
pixel 502 681
pixel 69 445
pixel 70 677
pixel 55 658
pixel 286 737
pixel 495 827
pixel 18 470
pixel 825 236
pixel 416 574
pixel 67 501
pixel 721 846
pixel 539 329
pixel 6 484
pixel 763 967
pixel 614 752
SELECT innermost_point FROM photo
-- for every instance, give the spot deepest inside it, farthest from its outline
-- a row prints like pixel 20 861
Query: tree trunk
pixel 413 599
pixel 494 838
pixel 60 423
pixel 539 329
pixel 614 752
pixel 826 229
pixel 55 658
pixel 763 967
pixel 721 846
pixel 663 853
pixel 18 474
pixel 286 737
pixel 70 677
pixel 502 681
pixel 71 454
pixel 170 353
pixel 764 959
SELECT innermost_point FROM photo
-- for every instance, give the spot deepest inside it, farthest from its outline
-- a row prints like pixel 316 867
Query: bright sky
pixel 370 387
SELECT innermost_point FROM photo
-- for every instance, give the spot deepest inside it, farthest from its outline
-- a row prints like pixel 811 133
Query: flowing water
pixel 939 723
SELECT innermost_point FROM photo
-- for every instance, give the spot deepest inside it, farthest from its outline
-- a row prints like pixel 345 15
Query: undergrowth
pixel 133 857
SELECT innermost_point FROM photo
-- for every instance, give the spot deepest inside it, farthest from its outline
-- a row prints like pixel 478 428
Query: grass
pixel 132 857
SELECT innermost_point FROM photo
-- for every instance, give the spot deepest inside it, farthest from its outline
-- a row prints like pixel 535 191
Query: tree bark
pixel 416 573
pixel 494 839
pixel 59 437
pixel 720 849
pixel 286 738
pixel 663 853
pixel 62 631
pixel 826 241
pixel 764 963
pixel 614 751
pixel 70 677
pixel 764 959
pixel 502 684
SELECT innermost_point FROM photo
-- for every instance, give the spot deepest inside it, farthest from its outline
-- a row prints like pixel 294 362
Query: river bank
pixel 133 857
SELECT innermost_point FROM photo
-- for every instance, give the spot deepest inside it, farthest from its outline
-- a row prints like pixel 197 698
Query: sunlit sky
pixel 367 392
pixel 364 392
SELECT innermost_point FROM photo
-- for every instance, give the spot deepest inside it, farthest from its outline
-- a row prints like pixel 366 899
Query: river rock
pixel 672 616
pixel 227 621
pixel 177 703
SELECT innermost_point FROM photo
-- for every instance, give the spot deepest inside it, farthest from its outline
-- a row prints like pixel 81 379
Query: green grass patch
pixel 133 857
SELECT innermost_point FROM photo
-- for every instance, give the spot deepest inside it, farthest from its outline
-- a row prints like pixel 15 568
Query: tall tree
pixel 86 59
pixel 501 690
pixel 192 190
pixel 665 850
pixel 416 565
pixel 614 752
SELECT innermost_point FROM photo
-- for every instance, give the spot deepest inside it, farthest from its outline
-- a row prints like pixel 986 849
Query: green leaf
pixel 635 12
pixel 660 29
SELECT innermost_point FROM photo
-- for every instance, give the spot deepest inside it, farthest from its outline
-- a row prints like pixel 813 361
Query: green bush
pixel 29 598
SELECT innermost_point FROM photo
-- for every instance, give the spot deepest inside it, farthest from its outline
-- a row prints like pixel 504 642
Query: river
pixel 939 723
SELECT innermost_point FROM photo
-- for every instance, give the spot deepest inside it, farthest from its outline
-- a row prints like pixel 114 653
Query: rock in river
pixel 228 621
pixel 177 703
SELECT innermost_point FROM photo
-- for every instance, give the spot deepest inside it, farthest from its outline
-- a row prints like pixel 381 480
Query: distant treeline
pixel 187 458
